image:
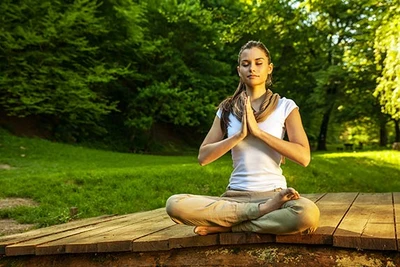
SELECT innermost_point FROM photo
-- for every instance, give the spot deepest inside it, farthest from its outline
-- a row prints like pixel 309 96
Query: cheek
pixel 265 72
pixel 268 71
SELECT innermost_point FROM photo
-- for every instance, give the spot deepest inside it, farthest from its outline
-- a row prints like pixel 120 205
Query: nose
pixel 252 69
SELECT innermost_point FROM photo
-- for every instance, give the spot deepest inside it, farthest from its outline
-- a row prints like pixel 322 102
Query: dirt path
pixel 10 226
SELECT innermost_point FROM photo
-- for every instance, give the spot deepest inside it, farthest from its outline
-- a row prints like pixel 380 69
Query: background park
pixel 103 104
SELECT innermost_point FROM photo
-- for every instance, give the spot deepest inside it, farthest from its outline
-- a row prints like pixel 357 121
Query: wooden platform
pixel 360 221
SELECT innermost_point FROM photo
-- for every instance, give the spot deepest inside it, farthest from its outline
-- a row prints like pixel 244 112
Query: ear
pixel 237 69
pixel 271 68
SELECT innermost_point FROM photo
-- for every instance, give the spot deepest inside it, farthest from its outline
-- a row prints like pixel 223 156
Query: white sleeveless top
pixel 256 166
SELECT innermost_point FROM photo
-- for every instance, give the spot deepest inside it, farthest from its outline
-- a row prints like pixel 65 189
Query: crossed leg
pixel 270 205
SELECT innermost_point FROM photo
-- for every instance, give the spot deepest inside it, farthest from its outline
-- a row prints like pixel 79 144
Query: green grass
pixel 366 171
pixel 60 176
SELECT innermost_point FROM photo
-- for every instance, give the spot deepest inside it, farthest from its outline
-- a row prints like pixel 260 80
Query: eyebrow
pixel 260 58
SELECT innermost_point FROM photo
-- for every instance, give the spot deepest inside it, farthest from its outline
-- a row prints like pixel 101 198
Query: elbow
pixel 305 158
pixel 305 161
pixel 203 158
pixel 305 164
pixel 201 161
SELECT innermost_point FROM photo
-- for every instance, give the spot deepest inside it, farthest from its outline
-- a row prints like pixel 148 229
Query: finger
pixel 249 110
pixel 248 104
pixel 245 111
pixel 244 119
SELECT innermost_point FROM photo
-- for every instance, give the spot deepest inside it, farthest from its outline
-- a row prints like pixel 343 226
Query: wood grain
pixel 333 207
pixel 369 224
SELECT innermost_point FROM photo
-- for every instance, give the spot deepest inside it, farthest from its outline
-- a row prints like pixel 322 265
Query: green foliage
pixel 185 77
pixel 119 68
pixel 387 54
pixel 51 64
pixel 160 102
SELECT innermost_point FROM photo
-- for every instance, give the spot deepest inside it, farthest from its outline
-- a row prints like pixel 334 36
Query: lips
pixel 252 76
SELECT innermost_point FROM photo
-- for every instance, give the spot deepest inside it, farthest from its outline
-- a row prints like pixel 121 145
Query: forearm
pixel 297 152
pixel 213 151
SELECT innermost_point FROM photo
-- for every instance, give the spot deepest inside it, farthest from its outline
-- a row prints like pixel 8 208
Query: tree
pixel 337 26
pixel 184 74
pixel 51 65
pixel 387 54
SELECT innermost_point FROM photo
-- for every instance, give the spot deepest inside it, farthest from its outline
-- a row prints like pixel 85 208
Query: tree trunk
pixel 383 136
pixel 323 131
pixel 397 130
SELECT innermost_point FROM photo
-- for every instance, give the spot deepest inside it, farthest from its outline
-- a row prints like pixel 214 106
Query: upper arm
pixel 215 133
pixel 295 129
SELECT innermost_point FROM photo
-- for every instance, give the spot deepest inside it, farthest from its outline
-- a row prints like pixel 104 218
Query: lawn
pixel 59 176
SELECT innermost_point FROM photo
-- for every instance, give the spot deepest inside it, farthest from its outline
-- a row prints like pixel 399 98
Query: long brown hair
pixel 235 103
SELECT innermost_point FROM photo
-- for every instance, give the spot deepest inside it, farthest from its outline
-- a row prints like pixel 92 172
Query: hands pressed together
pixel 249 122
pixel 297 149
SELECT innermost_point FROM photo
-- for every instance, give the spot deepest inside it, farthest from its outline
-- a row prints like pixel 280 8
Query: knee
pixel 172 206
pixel 309 217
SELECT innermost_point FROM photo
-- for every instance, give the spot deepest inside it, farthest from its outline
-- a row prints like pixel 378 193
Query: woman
pixel 254 121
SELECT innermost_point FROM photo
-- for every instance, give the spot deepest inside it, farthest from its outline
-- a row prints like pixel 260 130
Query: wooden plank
pixel 314 197
pixel 379 233
pixel 57 246
pixel 42 232
pixel 396 203
pixel 369 224
pixel 245 238
pixel 186 238
pixel 119 239
pixel 30 246
pixel 333 207
pixel 159 241
pixel 133 234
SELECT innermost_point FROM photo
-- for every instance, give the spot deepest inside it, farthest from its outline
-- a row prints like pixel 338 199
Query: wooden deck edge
pixel 43 232
pixel 363 243
pixel 270 254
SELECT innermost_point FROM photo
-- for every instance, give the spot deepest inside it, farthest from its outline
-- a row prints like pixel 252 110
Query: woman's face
pixel 254 67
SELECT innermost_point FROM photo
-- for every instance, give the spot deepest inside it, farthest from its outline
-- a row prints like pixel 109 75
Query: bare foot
pixel 205 230
pixel 278 200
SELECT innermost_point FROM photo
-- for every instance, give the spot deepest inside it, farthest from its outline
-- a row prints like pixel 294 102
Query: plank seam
pixel 137 240
pixel 320 197
pixel 395 222
pixel 344 215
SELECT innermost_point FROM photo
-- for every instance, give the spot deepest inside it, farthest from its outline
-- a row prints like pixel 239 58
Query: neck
pixel 257 96
pixel 256 93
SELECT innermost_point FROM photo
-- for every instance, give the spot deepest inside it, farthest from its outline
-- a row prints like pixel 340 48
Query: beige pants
pixel 239 210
